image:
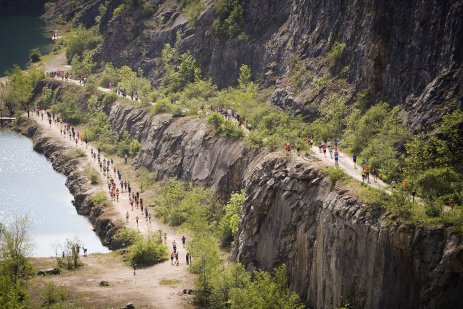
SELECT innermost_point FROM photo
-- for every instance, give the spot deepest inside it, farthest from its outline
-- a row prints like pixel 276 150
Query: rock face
pixel 184 148
pixel 336 248
pixel 405 52
pixel 79 186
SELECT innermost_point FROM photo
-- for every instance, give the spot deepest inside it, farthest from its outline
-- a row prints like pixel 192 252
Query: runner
pixel 354 158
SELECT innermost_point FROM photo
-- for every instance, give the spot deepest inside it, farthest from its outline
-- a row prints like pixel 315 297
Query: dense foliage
pixel 16 94
pixel 229 20
pixel 15 247
pixel 212 223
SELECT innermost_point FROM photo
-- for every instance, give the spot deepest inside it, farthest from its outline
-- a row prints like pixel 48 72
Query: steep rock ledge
pixel 337 249
pixel 57 153
pixel 184 148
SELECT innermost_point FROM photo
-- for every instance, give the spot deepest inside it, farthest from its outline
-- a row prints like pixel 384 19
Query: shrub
pixel 99 198
pixel 229 20
pixel 53 295
pixel 215 120
pixel 231 130
pixel 401 200
pixel 94 177
pixel 192 8
pixel 80 40
pixel 229 222
pixel 335 175
pixel 118 11
pixel 335 53
pixel 162 106
pixel 128 236
pixel 147 252
pixel 135 147
pixel 35 55
pixel 266 291
pixel 109 98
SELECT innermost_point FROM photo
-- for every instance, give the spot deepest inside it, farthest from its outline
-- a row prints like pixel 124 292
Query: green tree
pixel 206 264
pixel 35 55
pixel 266 291
pixel 83 65
pixel 15 247
pixel 229 18
pixel 18 92
pixel 80 40
pixel 230 221
pixel 245 77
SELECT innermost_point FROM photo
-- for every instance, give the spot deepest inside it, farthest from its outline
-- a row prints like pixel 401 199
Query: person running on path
pixel 172 255
pixel 131 202
pixel 125 158
pixel 187 258
pixel 127 217
pixel 136 219
pixel 336 158
pixel 165 238
pixel 134 266
pixel 354 158
pixel 183 241
pixel 324 149
pixel 176 259
pixel 174 246
pixel 117 195
pixel 366 168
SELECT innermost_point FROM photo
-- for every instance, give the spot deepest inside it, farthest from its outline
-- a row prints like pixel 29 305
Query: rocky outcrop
pixel 184 148
pixel 79 186
pixel 403 52
pixel 338 249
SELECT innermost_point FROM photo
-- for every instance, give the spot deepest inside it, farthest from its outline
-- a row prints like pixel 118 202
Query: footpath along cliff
pixel 407 53
pixel 338 250
pixel 66 162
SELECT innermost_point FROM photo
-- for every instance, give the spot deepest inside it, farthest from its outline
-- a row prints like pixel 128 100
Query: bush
pixel 35 55
pixel 99 198
pixel 192 8
pixel 401 200
pixel 135 147
pixel 266 291
pixel 335 175
pixel 94 177
pixel 147 252
pixel 128 237
pixel 80 40
pixel 335 53
pixel 229 20
pixel 53 295
pixel 229 222
pixel 162 106
pixel 118 11
pixel 231 130
pixel 215 120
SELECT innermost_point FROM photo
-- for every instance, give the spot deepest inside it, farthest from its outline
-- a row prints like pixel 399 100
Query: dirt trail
pixel 346 163
pixel 146 283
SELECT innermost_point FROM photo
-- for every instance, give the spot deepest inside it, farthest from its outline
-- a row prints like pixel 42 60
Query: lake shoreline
pixel 58 154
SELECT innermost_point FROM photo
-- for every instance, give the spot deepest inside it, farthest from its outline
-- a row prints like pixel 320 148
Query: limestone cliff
pixel 337 249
